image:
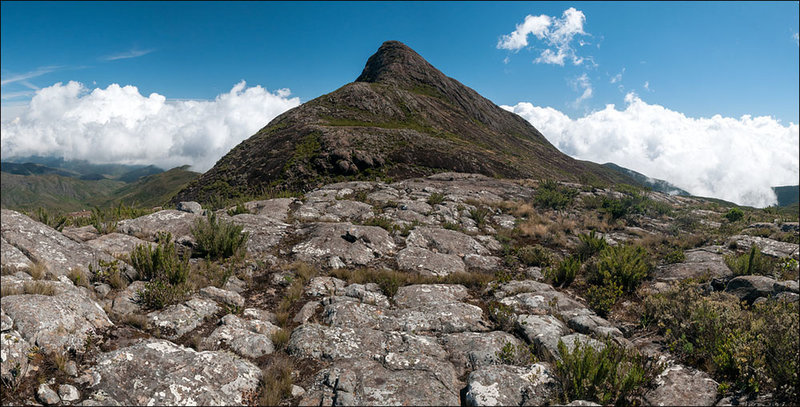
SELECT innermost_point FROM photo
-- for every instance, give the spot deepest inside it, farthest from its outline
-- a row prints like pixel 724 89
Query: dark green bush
pixel 218 239
pixel 237 210
pixel 612 375
pixel 516 355
pixel 57 221
pixel 552 195
pixel 102 221
pixel 602 298
pixel 566 270
pixel 534 256
pixel 734 214
pixel 625 265
pixel 436 198
pixel 748 348
pixel 675 256
pixel 502 315
pixel 164 270
pixel 590 245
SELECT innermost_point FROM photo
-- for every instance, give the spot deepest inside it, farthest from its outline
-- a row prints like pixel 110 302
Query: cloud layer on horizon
pixel 118 124
pixel 737 160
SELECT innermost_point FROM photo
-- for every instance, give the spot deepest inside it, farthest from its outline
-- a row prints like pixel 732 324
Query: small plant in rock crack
pixel 564 273
pixel 502 315
pixel 517 355
pixel 218 239
pixel 480 215
pixel 436 198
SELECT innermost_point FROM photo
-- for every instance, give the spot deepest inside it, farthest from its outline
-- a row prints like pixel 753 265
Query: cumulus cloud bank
pixel 118 124
pixel 737 160
pixel 556 33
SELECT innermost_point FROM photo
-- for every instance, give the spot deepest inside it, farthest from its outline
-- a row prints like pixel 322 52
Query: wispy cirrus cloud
pixel 133 53
pixel 29 75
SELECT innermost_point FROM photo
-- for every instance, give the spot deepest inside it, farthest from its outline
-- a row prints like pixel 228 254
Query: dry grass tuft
pixel 277 381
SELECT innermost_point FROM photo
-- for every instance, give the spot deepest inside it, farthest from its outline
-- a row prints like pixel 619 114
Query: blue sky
pixel 698 58
pixel 704 95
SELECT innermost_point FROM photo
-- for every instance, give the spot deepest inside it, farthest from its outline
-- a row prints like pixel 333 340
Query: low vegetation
pixel 618 270
pixel 551 195
pixel 217 239
pixel 277 381
pixel 746 348
pixel 564 273
pixel 165 272
pixel 611 375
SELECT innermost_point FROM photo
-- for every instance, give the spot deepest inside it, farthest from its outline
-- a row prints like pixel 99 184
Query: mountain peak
pixel 395 62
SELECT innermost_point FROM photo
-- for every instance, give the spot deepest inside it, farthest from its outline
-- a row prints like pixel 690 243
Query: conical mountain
pixel 401 118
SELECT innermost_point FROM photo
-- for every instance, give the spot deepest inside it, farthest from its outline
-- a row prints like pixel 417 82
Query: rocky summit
pixel 401 118
pixel 448 289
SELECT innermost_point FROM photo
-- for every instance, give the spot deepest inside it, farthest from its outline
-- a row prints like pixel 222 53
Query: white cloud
pixel 582 83
pixel 127 54
pixel 646 86
pixel 118 124
pixel 796 37
pixel 733 159
pixel 618 77
pixel 556 33
pixel 28 75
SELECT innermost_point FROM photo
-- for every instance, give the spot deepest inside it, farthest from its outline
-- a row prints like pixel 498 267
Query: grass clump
pixel 391 280
pixel 55 221
pixel 534 256
pixel 618 270
pixel 564 273
pixel 108 272
pixel 238 209
pixel 516 355
pixel 217 239
pixel 29 287
pixel 752 262
pixel 303 273
pixel 103 221
pixel 611 375
pixel 436 198
pixel 590 245
pixel 675 256
pixel 277 381
pixel 164 270
pixel 553 196
pixel 746 348
pixel 280 338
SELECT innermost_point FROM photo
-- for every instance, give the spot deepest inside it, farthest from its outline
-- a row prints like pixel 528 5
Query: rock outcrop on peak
pixel 401 118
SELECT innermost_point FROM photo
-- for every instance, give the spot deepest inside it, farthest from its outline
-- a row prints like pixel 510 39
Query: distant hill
pixel 65 194
pixel 787 195
pixel 653 183
pixel 76 168
pixel 154 190
pixel 401 118
pixel 51 191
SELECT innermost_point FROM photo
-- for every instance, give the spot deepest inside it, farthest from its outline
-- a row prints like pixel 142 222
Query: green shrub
pixel 752 262
pixel 553 196
pixel 56 222
pixel 624 265
pixel 237 210
pixel 436 198
pixel 480 215
pixel 734 214
pixel 103 222
pixel 516 355
pixel 218 239
pixel 381 222
pixel 502 315
pixel 590 245
pixel 565 272
pixel 534 256
pixel 602 298
pixel 613 375
pixel 108 272
pixel 164 270
pixel 675 256
pixel 747 348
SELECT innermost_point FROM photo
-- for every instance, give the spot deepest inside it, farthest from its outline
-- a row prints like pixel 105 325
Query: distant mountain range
pixel 652 183
pixel 66 186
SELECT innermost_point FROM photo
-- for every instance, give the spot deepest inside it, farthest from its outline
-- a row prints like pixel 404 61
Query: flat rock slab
pixel 178 223
pixel 265 231
pixel 334 211
pixel 55 323
pixel 413 296
pixel 13 356
pixel 236 336
pixel 748 288
pixel 445 241
pixel 543 331
pixel 117 244
pixel 81 234
pixel 682 386
pixel 770 247
pixel 13 260
pixel 472 350
pixel 699 262
pixel 176 320
pixel 331 343
pixel 505 385
pixel 48 246
pixel 394 381
pixel 277 208
pixel 352 244
pixel 426 262
pixel 159 372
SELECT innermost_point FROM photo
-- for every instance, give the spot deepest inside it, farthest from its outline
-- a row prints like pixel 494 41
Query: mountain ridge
pixel 400 118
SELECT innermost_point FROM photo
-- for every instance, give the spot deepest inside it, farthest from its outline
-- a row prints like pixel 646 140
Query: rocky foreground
pixel 302 299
